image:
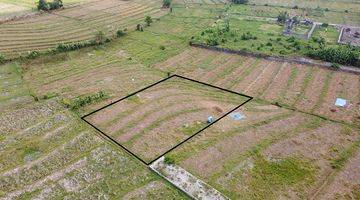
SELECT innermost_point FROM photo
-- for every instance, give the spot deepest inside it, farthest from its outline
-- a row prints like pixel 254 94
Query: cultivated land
pixel 154 120
pixel 293 144
pixel 77 23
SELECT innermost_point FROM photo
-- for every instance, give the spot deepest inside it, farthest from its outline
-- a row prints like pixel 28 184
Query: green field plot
pixel 53 155
pixel 313 13
pixel 154 120
pixel 268 155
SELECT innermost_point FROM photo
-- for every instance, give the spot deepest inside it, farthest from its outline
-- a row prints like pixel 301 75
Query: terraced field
pixel 60 157
pixel 309 89
pixel 70 25
pixel 154 120
pixel 273 153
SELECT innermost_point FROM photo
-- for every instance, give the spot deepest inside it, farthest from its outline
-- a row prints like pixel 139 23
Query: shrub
pixel 32 54
pixel 240 1
pixel 120 33
pixel 148 20
pixel 169 160
pixel 166 3
pixel 56 4
pixel 296 7
pixel 282 17
pixel 2 58
pixel 74 46
pixel 324 24
pixel 100 37
pixel 46 6
pixel 162 47
pixel 84 100
pixel 139 27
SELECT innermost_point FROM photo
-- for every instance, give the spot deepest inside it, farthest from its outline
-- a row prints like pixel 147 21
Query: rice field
pixel 78 23
pixel 273 153
pixel 309 89
pixel 293 142
pixel 55 156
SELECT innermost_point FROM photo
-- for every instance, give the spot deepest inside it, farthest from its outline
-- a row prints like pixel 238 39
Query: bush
pixel 162 47
pixel 282 17
pixel 84 100
pixel 148 20
pixel 56 4
pixel 2 58
pixel 169 160
pixel 46 6
pixel 74 46
pixel 166 3
pixel 296 7
pixel 120 33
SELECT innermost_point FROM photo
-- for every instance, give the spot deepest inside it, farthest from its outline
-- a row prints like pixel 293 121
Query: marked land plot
pixel 155 120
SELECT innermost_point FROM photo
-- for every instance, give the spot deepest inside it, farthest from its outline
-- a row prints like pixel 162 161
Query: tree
pixel 166 3
pixel 148 20
pixel 42 5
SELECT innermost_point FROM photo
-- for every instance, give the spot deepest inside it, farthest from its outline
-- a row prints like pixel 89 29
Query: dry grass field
pixel 293 143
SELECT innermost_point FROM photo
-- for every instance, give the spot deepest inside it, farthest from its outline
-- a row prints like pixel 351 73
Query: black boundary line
pixel 182 142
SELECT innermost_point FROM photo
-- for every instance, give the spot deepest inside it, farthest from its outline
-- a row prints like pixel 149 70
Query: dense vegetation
pixel 346 55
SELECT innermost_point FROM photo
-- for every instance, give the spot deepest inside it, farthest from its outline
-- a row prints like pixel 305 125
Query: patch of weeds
pixel 30 152
pixel 271 176
pixel 344 156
